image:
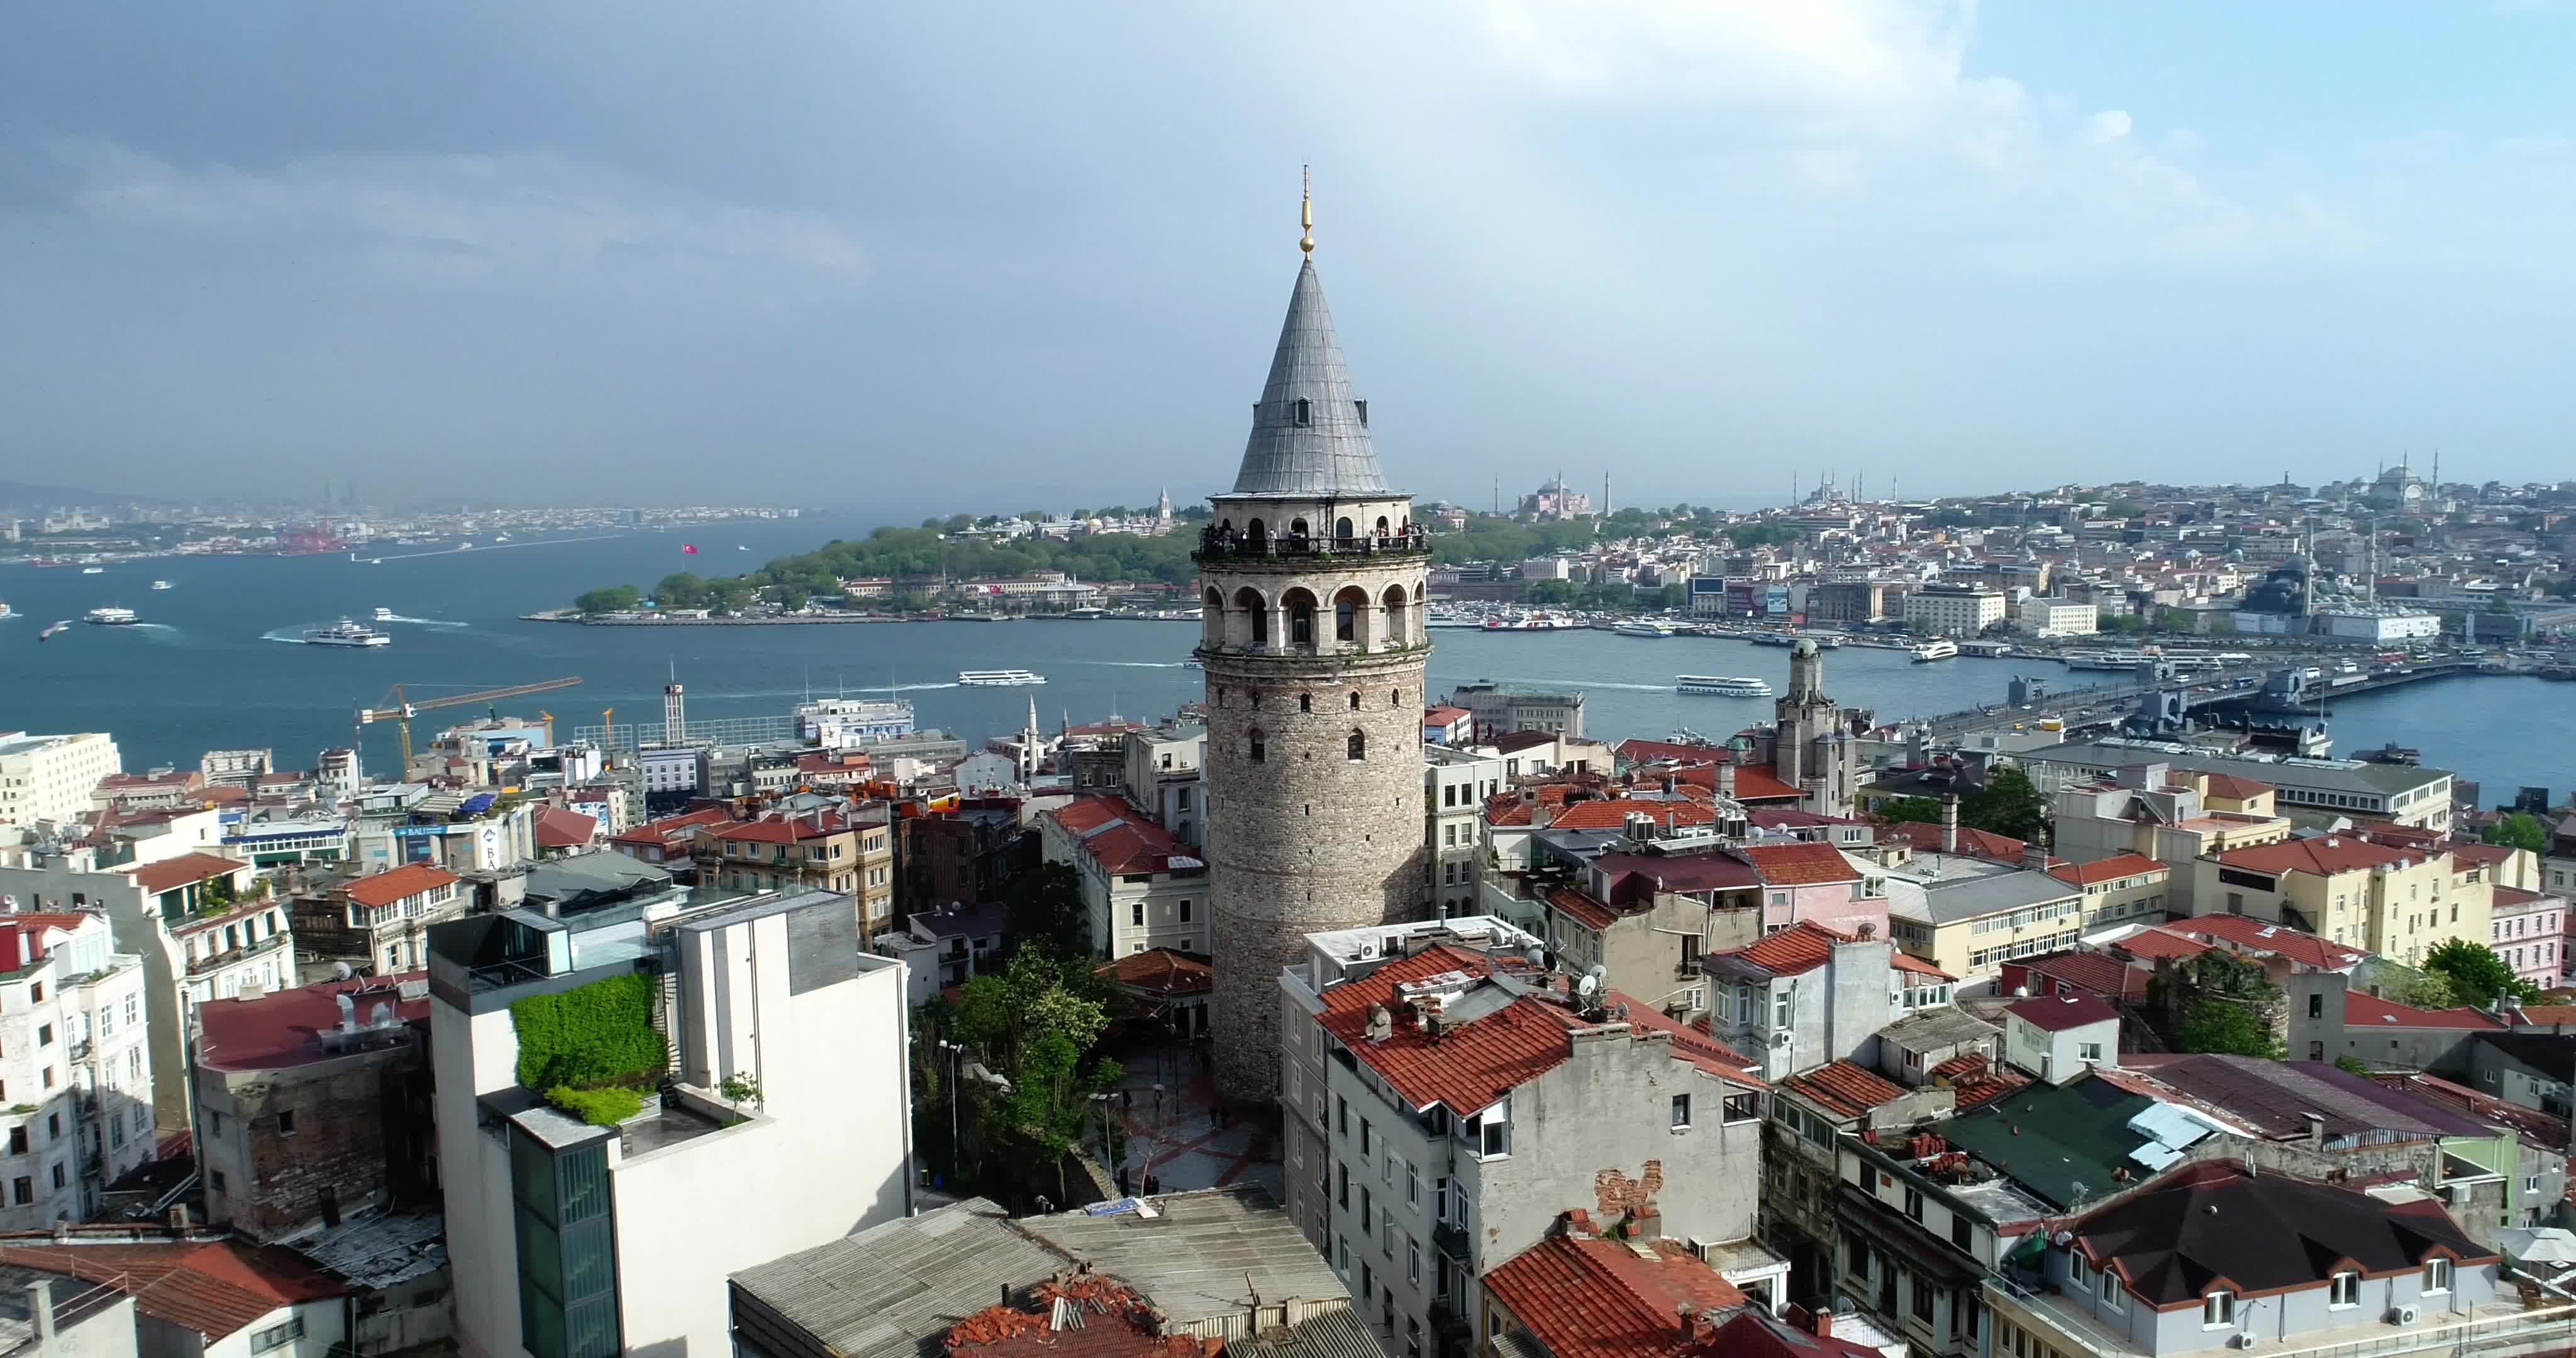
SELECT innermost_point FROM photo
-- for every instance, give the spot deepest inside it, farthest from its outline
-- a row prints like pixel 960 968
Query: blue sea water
pixel 218 662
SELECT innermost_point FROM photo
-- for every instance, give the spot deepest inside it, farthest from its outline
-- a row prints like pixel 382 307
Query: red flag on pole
pixel 688 549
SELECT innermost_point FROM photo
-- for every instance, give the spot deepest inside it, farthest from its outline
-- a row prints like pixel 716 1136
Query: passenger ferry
pixel 1782 639
pixel 1935 650
pixel 161 584
pixel 346 633
pixel 2123 661
pixel 1722 685
pixel 384 615
pixel 111 617
pixel 1635 628
pixel 998 678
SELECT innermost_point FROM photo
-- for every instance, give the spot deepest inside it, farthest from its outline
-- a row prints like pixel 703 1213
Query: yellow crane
pixel 401 710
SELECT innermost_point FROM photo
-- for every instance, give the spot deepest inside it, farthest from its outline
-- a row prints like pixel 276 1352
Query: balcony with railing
pixel 214 962
pixel 1220 543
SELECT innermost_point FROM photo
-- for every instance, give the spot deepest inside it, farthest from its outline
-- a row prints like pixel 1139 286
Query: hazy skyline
pixel 991 256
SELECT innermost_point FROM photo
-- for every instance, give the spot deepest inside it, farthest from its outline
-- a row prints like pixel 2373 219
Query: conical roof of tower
pixel 1329 453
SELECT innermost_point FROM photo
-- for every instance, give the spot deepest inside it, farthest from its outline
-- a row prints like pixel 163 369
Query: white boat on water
pixel 384 615
pixel 1935 650
pixel 161 584
pixel 111 617
pixel 346 633
pixel 93 570
pixel 998 678
pixel 1722 685
pixel 1634 628
pixel 4 609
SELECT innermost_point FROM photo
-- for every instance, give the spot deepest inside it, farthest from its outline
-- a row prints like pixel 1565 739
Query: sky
pixel 1001 257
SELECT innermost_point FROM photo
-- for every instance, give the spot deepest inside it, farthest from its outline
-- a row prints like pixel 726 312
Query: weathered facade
pixel 1314 647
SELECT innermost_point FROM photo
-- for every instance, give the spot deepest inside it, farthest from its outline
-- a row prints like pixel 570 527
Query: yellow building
pixel 1969 916
pixel 2400 903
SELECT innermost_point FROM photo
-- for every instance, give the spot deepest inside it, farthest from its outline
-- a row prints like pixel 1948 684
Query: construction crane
pixel 400 710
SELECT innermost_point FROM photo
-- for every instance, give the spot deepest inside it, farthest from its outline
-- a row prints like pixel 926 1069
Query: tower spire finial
pixel 1306 209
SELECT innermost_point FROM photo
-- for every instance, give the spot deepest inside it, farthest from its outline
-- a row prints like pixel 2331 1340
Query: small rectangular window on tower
pixel 1363 409
pixel 1305 412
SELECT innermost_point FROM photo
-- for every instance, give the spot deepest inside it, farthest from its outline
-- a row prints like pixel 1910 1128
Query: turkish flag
pixel 688 549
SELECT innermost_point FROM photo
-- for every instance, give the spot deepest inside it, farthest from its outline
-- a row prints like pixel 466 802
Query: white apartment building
pixel 49 778
pixel 1142 887
pixel 74 1069
pixel 1163 776
pixel 2056 618
pixel 1455 784
pixel 570 1240
pixel 1445 1101
pixel 1953 610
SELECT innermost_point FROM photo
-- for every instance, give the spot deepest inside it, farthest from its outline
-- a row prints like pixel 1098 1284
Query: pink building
pixel 2529 931
pixel 1818 884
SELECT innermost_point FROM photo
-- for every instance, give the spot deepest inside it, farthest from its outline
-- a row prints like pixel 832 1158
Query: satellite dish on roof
pixel 340 971
pixel 1588 987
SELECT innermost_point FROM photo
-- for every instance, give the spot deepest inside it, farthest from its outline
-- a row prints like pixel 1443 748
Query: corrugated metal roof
pixel 1328 452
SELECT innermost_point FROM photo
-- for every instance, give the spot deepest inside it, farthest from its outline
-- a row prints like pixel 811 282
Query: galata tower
pixel 1313 641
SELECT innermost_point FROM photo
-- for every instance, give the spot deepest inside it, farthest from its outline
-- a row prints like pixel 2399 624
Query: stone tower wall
pixel 1307 838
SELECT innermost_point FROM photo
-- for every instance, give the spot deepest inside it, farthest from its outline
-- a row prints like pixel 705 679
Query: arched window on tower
pixel 1305 702
pixel 1305 412
pixel 1381 525
pixel 1342 530
pixel 1359 746
pixel 1256 612
pixel 1301 618
pixel 1256 747
pixel 1355 700
pixel 1346 617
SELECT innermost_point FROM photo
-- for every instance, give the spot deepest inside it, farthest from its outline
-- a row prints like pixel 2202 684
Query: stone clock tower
pixel 1314 647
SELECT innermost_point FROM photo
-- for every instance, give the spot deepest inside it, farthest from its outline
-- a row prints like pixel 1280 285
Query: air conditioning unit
pixel 2240 1340
pixel 2403 1315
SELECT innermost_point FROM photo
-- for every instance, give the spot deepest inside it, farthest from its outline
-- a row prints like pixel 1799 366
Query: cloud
pixel 2109 125
pixel 458 215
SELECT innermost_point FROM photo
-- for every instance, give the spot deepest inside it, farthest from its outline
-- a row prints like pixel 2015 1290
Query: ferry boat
pixel 998 678
pixel 160 584
pixel 346 633
pixel 93 570
pixel 1722 685
pixel 384 615
pixel 1643 629
pixel 1441 617
pixel 111 617
pixel 55 630
pixel 2123 661
pixel 1773 639
pixel 1935 650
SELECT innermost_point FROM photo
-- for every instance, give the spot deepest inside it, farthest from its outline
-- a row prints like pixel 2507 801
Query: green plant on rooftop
pixel 2477 975
pixel 2519 830
pixel 598 1107
pixel 2217 1002
pixel 2350 1066
pixel 597 1036
pixel 2426 990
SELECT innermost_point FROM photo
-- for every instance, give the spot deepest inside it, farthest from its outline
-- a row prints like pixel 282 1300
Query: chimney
pixel 1725 782
pixel 2316 1130
pixel 179 1217
pixel 1950 823
pixel 1689 1313
pixel 40 1311
pixel 1821 1320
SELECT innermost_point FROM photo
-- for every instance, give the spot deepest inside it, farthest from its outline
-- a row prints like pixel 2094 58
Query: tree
pixel 2476 974
pixel 2427 990
pixel 2125 624
pixel 612 599
pixel 2217 1002
pixel 2349 1066
pixel 1910 810
pixel 1552 593
pixel 2520 830
pixel 683 590
pixel 2173 620
pixel 2009 804
pixel 1044 907
pixel 1034 1022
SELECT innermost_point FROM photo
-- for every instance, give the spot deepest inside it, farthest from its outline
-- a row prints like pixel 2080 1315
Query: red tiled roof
pixel 1656 751
pixel 2253 935
pixel 172 873
pixel 1507 809
pixel 1799 864
pixel 2484 855
pixel 214 1287
pixel 1610 813
pixel 1754 1333
pixel 1844 1089
pixel 2057 1013
pixel 2322 856
pixel 400 883
pixel 2366 1011
pixel 669 828
pixel 275 1031
pixel 2116 866
pixel 1800 948
pixel 2149 944
pixel 1753 782
pixel 785 829
pixel 2093 972
pixel 1978 1081
pixel 1160 971
pixel 1118 836
pixel 2233 788
pixel 2545 1129
pixel 1586 911
pixel 1901 960
pixel 1926 838
pixel 558 828
pixel 1584 1297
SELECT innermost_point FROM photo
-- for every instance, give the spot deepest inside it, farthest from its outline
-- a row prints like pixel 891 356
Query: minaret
pixel 1313 643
